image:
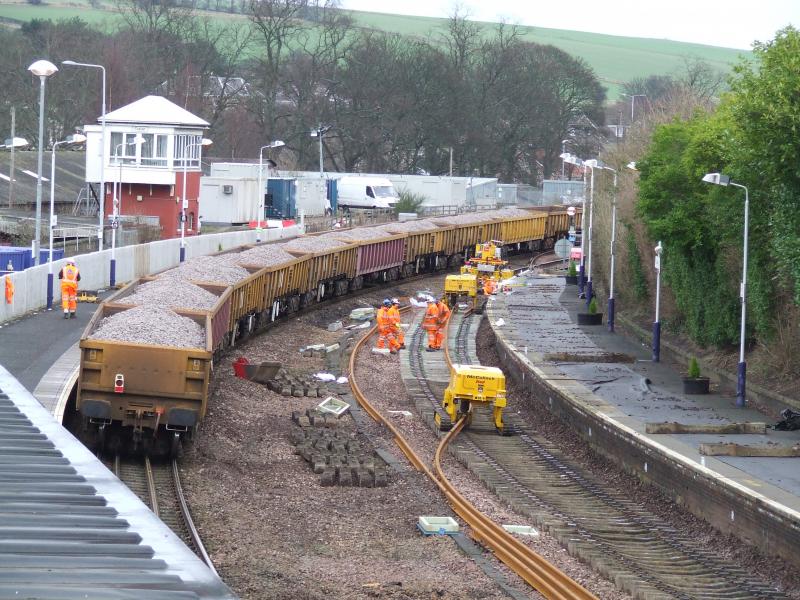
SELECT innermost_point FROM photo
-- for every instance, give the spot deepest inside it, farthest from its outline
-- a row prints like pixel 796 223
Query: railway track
pixel 620 538
pixel 158 485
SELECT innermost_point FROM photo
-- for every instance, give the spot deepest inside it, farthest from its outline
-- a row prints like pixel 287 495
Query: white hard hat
pixel 70 261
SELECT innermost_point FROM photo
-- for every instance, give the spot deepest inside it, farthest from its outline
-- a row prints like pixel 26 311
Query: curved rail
pixel 525 562
pixel 187 518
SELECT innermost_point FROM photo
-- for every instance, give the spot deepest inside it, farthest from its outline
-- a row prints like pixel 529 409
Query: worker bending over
pixel 394 311
pixel 444 316
pixel 430 323
pixel 489 286
pixel 69 276
pixel 386 328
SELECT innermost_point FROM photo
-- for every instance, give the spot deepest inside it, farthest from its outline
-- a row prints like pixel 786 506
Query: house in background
pixel 148 175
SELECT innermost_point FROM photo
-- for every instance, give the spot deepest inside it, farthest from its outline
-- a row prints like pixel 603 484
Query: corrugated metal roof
pixel 155 110
pixel 69 529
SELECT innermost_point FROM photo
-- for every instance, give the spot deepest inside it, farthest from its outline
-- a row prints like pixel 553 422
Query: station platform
pixel 607 386
pixel 71 529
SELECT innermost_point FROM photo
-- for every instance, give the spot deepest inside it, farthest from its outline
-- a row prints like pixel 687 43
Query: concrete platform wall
pixel 728 506
pixel 132 261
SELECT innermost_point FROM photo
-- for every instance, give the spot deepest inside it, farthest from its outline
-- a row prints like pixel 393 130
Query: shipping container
pixel 281 198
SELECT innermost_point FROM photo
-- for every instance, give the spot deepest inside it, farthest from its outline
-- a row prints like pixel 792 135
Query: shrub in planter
pixel 592 317
pixel 572 273
pixel 694 383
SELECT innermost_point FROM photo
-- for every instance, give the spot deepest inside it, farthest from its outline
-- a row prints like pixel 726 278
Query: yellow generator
pixel 457 287
pixel 470 384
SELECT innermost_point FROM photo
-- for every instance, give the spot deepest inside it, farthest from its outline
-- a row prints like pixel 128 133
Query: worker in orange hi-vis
pixel 444 316
pixel 386 328
pixel 430 323
pixel 490 286
pixel 9 289
pixel 394 311
pixel 69 276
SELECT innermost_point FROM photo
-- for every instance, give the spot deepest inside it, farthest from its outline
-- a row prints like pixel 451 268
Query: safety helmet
pixel 70 261
pixel 387 302
pixel 395 301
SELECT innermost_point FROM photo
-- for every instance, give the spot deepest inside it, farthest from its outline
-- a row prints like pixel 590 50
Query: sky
pixel 728 23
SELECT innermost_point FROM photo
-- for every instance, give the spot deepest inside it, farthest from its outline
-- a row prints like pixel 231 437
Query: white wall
pixel 132 262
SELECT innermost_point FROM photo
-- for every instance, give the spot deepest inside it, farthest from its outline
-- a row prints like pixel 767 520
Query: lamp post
pixel 184 200
pixel 589 292
pixel 574 160
pixel 596 164
pixel 657 323
pixel 137 141
pixel 741 380
pixel 72 139
pixel 563 162
pixel 274 144
pixel 633 98
pixel 101 203
pixel 42 69
pixel 320 131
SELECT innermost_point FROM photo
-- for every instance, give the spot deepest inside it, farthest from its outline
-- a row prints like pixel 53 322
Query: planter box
pixel 571 279
pixel 589 319
pixel 695 385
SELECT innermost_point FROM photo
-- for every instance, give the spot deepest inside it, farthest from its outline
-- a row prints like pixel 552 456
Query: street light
pixel 657 323
pixel 574 160
pixel 724 180
pixel 42 69
pixel 101 203
pixel 320 131
pixel 275 144
pixel 633 99
pixel 563 152
pixel 72 139
pixel 599 165
pixel 137 141
pixel 185 202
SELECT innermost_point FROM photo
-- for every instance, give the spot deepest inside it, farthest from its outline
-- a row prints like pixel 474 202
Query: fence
pixel 132 262
pixel 355 217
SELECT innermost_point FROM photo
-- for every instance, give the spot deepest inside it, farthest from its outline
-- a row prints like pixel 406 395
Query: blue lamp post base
pixel 656 341
pixel 49 291
pixel 183 254
pixel 611 315
pixel 112 279
pixel 589 293
pixel 741 382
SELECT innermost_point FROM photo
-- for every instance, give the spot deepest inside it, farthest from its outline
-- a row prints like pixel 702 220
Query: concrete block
pixel 365 479
pixel 328 477
pixel 345 477
pixel 331 348
pixel 380 478
pixel 335 326
pixel 319 467
pixel 304 422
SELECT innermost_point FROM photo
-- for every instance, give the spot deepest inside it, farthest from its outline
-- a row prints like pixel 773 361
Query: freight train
pixel 152 392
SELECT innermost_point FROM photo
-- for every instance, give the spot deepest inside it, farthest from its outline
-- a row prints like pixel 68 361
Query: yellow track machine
pixel 488 262
pixel 469 385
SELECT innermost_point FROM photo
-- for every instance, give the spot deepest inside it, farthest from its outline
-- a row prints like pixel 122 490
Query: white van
pixel 366 192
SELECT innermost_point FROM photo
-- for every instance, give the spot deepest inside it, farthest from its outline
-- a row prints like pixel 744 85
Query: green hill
pixel 615 59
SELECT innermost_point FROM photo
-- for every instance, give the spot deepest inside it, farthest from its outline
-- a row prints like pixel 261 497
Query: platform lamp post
pixel 42 69
pixel 117 196
pixel 741 380
pixel 563 152
pixel 71 140
pixel 101 203
pixel 319 132
pixel 185 200
pixel 596 164
pixel 659 249
pixel 275 144
pixel 574 160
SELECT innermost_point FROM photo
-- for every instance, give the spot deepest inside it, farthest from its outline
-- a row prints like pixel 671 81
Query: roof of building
pixel 155 110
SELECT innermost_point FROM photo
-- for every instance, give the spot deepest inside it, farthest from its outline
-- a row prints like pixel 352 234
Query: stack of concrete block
pixel 298 385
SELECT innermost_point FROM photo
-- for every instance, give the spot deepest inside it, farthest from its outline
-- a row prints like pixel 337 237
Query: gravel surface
pixel 727 547
pixel 151 325
pixel 216 269
pixel 410 226
pixel 315 243
pixel 267 255
pixel 274 532
pixel 171 293
pixel 359 234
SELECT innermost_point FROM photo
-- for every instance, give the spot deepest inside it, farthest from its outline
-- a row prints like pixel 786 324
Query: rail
pixel 525 562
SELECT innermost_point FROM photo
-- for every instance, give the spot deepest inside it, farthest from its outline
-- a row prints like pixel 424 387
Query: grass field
pixel 615 59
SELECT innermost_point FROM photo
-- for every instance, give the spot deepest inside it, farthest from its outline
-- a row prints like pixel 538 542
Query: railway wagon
pixel 466 230
pixel 424 247
pixel 521 229
pixel 380 253
pixel 330 270
pixel 144 388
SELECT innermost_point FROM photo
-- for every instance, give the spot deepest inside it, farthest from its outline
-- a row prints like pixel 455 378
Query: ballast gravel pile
pixel 464 219
pixel 267 255
pixel 313 244
pixel 215 269
pixel 171 293
pixel 410 226
pixel 151 325
pixel 362 233
pixel 511 213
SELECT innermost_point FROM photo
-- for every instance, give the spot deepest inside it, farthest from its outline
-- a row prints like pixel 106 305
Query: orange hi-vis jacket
pixel 444 313
pixel 384 319
pixel 431 320
pixel 70 274
pixel 394 315
pixel 9 290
